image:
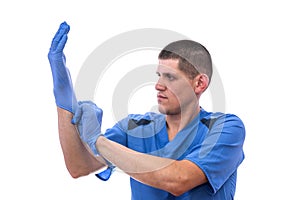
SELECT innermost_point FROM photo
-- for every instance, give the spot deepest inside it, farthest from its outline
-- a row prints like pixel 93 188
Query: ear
pixel 201 82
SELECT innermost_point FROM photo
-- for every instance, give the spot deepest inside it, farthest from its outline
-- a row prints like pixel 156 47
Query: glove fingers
pixel 61 44
pixel 98 111
pixel 63 30
pixel 78 112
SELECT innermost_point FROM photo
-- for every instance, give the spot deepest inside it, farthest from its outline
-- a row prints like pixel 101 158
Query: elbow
pixel 74 176
pixel 177 191
pixel 77 173
pixel 182 185
pixel 178 188
pixel 81 171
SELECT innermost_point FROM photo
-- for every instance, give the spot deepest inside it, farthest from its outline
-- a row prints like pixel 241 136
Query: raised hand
pixel 62 83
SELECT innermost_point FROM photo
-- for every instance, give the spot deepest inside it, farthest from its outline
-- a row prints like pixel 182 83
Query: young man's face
pixel 175 89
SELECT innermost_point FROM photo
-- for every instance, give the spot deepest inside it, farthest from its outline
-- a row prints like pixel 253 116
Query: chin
pixel 161 110
pixel 167 111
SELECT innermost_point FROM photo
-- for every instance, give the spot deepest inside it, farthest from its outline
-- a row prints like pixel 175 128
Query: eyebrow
pixel 165 73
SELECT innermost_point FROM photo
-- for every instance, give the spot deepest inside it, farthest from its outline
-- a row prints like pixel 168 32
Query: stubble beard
pixel 167 111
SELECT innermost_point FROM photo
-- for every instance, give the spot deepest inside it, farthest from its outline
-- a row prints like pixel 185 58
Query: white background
pixel 254 44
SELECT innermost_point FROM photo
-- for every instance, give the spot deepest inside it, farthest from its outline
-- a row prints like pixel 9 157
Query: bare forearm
pixel 79 161
pixel 128 160
pixel 162 173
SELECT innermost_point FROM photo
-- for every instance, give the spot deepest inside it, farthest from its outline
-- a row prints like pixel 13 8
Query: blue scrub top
pixel 213 141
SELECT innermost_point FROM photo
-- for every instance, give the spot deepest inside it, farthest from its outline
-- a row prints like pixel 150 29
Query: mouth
pixel 161 97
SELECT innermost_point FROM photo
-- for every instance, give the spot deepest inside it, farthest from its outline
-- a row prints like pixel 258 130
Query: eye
pixel 170 77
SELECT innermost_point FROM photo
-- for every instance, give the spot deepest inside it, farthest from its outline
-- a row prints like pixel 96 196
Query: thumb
pixel 77 115
pixel 99 115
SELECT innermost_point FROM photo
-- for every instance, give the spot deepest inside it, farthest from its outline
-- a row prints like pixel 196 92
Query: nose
pixel 160 86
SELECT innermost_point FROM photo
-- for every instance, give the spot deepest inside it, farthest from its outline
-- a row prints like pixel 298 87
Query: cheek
pixel 184 96
pixel 182 90
pixel 174 99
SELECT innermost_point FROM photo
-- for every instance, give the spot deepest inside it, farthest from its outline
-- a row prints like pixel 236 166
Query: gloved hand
pixel 88 118
pixel 63 88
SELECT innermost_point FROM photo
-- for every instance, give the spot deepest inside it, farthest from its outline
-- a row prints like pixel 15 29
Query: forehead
pixel 169 62
pixel 168 65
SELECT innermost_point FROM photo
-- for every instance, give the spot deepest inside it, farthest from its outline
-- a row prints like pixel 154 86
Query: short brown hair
pixel 193 57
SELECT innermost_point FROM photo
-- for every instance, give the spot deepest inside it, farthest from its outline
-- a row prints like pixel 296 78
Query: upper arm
pixel 177 177
pixel 221 151
pixel 187 176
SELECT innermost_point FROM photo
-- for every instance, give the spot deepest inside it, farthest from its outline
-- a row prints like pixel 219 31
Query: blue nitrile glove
pixel 88 118
pixel 63 88
pixel 105 175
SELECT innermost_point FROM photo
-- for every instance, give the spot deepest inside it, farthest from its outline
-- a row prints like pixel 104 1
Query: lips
pixel 161 97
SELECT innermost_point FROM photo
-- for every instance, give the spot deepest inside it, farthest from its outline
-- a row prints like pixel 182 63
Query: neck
pixel 177 122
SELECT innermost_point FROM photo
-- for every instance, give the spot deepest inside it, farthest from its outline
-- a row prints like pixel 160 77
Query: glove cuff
pixel 93 145
pixel 95 151
pixel 105 175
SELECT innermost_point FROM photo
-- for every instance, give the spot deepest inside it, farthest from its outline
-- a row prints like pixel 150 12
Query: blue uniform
pixel 213 141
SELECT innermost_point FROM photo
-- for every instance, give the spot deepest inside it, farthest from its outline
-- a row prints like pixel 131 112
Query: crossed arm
pixel 173 176
pixel 170 175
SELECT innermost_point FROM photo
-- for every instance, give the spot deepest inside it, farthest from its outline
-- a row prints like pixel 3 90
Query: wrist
pixel 95 144
pixel 99 140
pixel 99 143
pixel 64 113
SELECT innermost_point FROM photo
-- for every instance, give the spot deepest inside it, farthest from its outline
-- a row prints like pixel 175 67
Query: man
pixel 184 152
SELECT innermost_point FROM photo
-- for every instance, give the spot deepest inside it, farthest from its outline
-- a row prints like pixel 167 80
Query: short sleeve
pixel 221 151
pixel 118 133
pixel 137 129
